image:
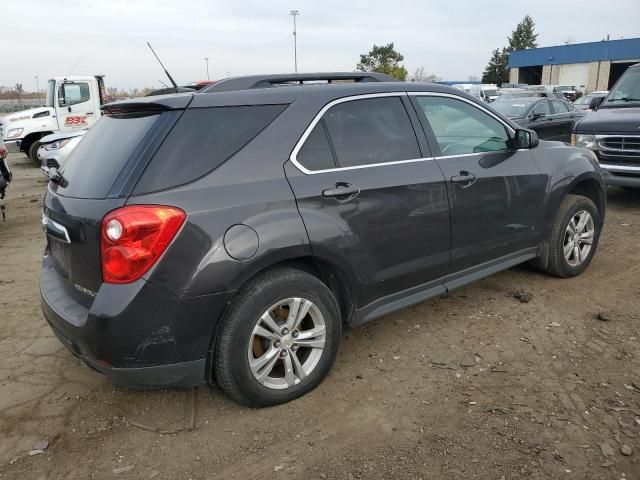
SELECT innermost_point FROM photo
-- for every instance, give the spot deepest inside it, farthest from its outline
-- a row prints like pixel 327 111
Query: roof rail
pixel 267 81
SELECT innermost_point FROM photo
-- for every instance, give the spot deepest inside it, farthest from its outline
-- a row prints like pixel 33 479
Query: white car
pixel 56 148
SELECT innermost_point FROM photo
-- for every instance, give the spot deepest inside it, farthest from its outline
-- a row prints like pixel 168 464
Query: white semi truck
pixel 73 103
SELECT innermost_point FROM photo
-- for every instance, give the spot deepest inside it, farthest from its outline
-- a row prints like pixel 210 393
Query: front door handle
pixel 464 179
pixel 341 191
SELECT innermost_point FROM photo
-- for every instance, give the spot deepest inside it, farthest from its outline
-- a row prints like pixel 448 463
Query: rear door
pixel 495 191
pixel 371 198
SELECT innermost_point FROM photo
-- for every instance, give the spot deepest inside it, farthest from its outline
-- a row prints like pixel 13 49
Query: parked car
pixel 613 131
pixel 227 236
pixel 55 149
pixel 550 119
pixel 547 91
pixel 569 91
pixel 590 101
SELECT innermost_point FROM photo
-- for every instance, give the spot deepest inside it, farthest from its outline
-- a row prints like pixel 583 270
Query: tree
pixel 421 76
pixel 383 59
pixel 19 90
pixel 523 36
pixel 496 70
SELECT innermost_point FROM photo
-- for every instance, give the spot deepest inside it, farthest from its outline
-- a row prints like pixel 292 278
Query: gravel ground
pixel 477 384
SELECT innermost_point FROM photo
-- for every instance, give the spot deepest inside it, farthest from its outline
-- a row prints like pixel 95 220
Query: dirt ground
pixel 478 384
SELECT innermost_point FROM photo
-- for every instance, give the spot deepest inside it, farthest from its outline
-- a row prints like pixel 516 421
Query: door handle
pixel 341 191
pixel 464 179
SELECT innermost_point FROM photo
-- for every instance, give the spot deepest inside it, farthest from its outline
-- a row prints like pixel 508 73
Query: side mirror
pixel 526 138
pixel 595 103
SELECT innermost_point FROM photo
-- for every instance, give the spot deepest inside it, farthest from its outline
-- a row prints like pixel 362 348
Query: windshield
pixel 51 91
pixel 512 109
pixel 626 90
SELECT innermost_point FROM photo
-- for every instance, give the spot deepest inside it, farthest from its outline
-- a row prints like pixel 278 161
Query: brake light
pixel 3 152
pixel 134 237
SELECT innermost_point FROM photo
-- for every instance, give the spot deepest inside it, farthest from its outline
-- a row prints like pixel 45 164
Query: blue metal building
pixel 589 66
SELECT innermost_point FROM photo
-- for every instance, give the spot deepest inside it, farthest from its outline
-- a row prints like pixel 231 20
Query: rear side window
pixel 371 131
pixel 202 140
pixel 98 159
pixel 316 153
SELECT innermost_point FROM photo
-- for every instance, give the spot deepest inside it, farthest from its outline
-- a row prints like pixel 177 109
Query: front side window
pixel 461 128
pixel 73 93
pixel 371 131
pixel 560 107
pixel 541 109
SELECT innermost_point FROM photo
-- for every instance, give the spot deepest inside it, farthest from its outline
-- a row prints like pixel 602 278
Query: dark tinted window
pixel 202 140
pixel 316 154
pixel 100 156
pixel 370 131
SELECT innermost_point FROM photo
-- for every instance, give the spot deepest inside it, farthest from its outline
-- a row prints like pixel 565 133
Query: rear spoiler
pixel 149 104
pixel 269 81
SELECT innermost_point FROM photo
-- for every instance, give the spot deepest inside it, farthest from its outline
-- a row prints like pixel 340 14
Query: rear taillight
pixel 3 152
pixel 134 237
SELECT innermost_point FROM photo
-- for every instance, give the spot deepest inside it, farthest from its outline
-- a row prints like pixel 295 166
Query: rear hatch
pixel 98 177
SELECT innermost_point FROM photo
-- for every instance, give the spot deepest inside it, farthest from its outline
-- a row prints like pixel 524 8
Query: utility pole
pixel 294 14
pixel 37 88
pixel 206 59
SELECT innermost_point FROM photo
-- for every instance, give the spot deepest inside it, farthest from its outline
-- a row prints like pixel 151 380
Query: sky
pixel 452 39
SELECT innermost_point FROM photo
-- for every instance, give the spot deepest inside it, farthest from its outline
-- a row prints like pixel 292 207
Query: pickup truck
pixel 612 131
pixel 73 103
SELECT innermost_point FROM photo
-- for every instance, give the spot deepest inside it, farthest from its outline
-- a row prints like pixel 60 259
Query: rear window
pixel 96 162
pixel 202 140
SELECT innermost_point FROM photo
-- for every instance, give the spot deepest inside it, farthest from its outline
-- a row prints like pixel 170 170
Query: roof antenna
pixel 74 67
pixel 163 84
pixel 173 82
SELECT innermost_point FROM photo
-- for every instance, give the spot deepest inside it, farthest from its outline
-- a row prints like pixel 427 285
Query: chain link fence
pixel 10 106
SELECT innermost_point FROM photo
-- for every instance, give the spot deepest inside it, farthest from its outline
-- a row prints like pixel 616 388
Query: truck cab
pixel 73 103
pixel 612 131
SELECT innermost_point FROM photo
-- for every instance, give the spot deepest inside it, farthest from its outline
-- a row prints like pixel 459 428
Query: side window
pixel 560 107
pixel 316 153
pixel 461 128
pixel 541 108
pixel 72 93
pixel 371 131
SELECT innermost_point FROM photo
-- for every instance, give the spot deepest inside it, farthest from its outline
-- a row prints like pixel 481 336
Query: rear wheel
pixel 278 340
pixel 32 152
pixel 574 237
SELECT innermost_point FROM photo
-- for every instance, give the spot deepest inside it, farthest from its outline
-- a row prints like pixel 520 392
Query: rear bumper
pixel 138 335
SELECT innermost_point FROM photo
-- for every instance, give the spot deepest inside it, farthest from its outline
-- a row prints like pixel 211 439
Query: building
pixel 588 66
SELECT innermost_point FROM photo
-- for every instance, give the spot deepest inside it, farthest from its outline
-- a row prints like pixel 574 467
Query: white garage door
pixel 574 74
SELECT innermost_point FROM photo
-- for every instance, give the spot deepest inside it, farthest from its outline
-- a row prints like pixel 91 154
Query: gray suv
pixel 227 236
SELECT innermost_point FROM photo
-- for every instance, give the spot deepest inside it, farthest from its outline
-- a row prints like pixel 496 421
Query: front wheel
pixel 574 236
pixel 32 152
pixel 278 340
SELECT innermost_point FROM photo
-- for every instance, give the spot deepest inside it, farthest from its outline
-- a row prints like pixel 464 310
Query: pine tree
pixel 496 70
pixel 523 36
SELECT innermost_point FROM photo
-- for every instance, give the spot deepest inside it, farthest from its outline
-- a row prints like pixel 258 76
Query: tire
pixel 32 152
pixel 572 208
pixel 238 346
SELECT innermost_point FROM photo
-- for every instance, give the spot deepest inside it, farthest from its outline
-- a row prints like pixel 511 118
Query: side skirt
pixel 420 293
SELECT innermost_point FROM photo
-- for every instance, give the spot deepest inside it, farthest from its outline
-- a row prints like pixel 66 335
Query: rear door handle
pixel 341 191
pixel 464 179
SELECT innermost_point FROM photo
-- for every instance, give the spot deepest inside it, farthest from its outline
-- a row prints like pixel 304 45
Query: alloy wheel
pixel 578 238
pixel 287 343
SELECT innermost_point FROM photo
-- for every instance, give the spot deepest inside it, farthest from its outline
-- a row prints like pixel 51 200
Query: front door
pixel 370 200
pixel 495 191
pixel 563 113
pixel 541 121
pixel 76 105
